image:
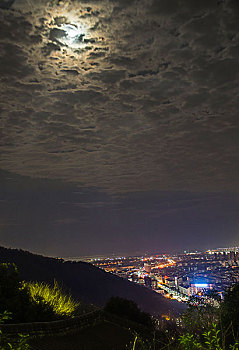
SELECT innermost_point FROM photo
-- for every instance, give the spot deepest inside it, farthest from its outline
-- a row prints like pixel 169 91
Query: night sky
pixel 119 129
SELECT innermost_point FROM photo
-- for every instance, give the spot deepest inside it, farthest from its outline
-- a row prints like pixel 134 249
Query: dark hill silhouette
pixel 87 282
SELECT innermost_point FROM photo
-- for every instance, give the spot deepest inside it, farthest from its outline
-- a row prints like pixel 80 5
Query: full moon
pixel 73 35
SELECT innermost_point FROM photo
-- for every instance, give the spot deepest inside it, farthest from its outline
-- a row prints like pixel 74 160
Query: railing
pixel 38 329
pixel 55 327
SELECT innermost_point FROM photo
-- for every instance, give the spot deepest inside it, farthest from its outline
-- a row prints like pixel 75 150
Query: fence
pixel 90 319
pixel 54 327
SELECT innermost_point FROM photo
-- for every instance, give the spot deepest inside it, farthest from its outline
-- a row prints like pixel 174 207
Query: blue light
pixel 201 285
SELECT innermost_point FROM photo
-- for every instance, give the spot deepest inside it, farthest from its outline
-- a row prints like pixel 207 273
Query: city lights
pixel 180 276
pixel 201 285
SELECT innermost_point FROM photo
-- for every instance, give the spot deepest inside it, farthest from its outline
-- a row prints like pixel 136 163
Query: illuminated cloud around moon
pixel 73 35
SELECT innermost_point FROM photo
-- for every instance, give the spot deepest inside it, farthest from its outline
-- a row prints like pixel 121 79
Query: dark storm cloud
pixel 108 77
pixel 147 100
pixel 6 4
pixel 13 62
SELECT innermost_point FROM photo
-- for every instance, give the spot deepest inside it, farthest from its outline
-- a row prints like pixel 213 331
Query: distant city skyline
pixel 147 254
pixel 180 276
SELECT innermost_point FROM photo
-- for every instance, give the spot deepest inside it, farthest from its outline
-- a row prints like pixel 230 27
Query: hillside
pixel 87 282
pixel 105 336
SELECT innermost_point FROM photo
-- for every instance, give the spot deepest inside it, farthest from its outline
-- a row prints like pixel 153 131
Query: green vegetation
pixel 13 297
pixel 20 342
pixel 32 302
pixel 229 312
pixel 129 310
pixel 54 297
pixel 198 319
pixel 211 340
pixel 201 328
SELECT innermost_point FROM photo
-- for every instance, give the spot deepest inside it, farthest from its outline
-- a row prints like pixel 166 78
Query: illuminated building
pixel 147 267
pixel 154 283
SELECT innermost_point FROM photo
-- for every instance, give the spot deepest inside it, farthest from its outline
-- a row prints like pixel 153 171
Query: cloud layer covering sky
pixel 132 103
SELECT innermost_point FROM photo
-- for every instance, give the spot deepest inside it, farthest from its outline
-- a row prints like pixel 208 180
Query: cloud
pixel 6 4
pixel 36 213
pixel 111 76
pixel 147 101
pixel 13 61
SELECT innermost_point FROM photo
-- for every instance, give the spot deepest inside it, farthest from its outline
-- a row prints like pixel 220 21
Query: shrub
pixel 20 342
pixel 229 310
pixel 32 302
pixel 53 298
pixel 212 340
pixel 13 297
pixel 198 319
pixel 128 309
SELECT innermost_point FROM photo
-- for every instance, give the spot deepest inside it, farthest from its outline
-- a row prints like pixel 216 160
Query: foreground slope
pixel 87 282
pixel 105 336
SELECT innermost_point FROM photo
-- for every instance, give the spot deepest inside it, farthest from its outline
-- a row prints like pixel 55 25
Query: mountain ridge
pixel 86 282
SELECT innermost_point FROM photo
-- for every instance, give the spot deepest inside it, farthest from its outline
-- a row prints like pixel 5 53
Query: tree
pixel 13 297
pixel 229 309
pixel 128 309
pixel 198 319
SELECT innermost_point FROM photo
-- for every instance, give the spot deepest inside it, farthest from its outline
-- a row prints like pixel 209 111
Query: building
pixel 186 290
pixel 147 267
pixel 154 283
pixel 148 282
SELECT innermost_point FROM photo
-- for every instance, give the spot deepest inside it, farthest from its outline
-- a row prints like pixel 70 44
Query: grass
pixel 20 341
pixel 210 340
pixel 54 297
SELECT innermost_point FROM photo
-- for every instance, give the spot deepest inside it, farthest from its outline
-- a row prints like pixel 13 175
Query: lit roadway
pixel 175 294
